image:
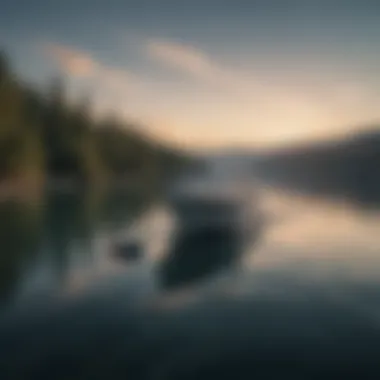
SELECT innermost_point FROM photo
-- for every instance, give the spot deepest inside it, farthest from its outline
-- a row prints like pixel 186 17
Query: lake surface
pixel 301 300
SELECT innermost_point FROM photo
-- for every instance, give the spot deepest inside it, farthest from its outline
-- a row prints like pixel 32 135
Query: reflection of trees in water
pixel 199 254
pixel 73 220
pixel 63 221
pixel 119 208
pixel 61 229
pixel 20 236
pixel 70 224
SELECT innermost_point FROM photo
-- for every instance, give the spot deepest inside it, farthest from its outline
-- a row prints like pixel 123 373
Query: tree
pixel 42 135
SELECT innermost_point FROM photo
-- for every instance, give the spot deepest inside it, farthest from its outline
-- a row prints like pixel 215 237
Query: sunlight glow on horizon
pixel 209 73
pixel 214 104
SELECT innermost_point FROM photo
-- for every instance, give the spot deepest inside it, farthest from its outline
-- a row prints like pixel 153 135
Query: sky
pixel 208 73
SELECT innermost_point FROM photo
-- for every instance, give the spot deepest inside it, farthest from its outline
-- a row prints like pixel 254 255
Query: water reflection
pixel 199 254
pixel 43 244
pixel 311 292
pixel 20 234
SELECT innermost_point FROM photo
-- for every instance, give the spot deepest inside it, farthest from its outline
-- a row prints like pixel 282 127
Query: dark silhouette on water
pixel 198 254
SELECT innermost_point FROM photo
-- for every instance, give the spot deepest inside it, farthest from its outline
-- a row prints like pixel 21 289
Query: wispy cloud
pixel 182 57
pixel 80 64
pixel 71 61
pixel 112 86
pixel 195 63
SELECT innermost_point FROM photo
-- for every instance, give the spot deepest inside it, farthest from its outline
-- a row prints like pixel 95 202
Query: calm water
pixel 300 301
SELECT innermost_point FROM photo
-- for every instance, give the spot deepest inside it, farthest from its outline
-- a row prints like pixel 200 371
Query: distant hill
pixel 348 168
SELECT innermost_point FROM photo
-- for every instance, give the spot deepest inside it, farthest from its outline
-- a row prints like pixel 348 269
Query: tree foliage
pixel 42 136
